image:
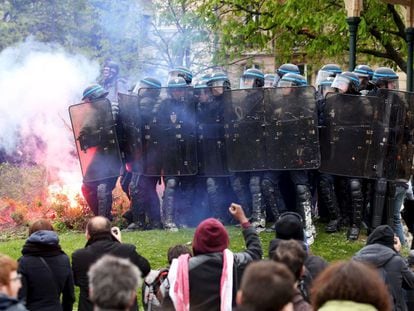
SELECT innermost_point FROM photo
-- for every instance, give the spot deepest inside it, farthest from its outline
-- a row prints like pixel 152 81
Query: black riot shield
pixel 291 128
pixel 353 143
pixel 244 130
pixel 399 153
pixel 130 131
pixel 170 137
pixel 96 140
pixel 211 150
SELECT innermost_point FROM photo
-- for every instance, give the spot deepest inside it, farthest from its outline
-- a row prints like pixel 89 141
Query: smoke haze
pixel 38 82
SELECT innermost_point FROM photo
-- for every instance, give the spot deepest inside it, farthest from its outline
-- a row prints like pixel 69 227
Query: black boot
pixel 357 205
pixel 327 195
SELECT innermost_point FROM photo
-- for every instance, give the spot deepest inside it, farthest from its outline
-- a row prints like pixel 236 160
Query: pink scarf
pixel 178 278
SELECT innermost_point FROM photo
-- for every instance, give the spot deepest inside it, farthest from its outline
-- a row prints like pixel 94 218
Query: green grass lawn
pixel 154 244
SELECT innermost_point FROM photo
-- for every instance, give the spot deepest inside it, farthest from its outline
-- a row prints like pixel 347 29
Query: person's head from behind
pixel 351 281
pixel 266 286
pixel 210 236
pixel 176 251
pixel 39 225
pixel 383 235
pixel 292 254
pixel 97 225
pixel 288 226
pixel 10 280
pixel 113 283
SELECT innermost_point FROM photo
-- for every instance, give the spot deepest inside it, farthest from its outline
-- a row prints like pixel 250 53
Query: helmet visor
pixel 323 75
pixel 247 82
pixel 341 83
pixel 393 85
pixel 268 83
pixel 284 83
pixel 216 83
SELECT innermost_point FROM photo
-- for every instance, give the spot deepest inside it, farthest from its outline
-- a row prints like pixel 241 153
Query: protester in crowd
pixel 290 226
pixel 350 285
pixel 208 280
pixel 47 281
pixel 113 283
pixel 10 283
pixel 101 240
pixel 382 251
pixel 156 283
pixel 266 286
pixel 292 254
pixel 409 293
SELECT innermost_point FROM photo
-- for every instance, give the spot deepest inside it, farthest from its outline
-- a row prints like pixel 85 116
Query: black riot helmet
pixel 269 80
pixel 328 70
pixel 252 78
pixel 346 83
pixel 94 92
pixel 287 68
pixel 364 73
pixel 385 78
pixel 182 72
pixel 291 80
pixel 150 87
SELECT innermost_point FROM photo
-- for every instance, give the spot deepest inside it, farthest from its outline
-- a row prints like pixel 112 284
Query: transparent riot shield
pixel 96 140
pixel 130 131
pixel 244 130
pixel 399 153
pixel 211 150
pixel 170 137
pixel 353 143
pixel 292 140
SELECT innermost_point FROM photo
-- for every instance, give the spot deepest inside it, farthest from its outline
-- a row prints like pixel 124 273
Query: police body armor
pixel 170 137
pixel 96 140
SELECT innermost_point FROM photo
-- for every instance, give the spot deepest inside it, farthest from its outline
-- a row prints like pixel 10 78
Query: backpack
pixel 151 296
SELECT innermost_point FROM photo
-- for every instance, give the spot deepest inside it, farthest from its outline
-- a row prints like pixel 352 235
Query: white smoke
pixel 38 82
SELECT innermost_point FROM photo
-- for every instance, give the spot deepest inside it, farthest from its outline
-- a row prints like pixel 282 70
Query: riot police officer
pixel 327 71
pixel 142 189
pixel 99 179
pixel 387 196
pixel 246 185
pixel 174 113
pixel 210 143
pixel 364 73
pixel 182 72
pixel 300 178
pixel 348 83
pixel 111 81
pixel 284 69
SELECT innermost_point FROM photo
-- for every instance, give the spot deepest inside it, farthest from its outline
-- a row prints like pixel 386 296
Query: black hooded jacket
pixel 47 282
pixel 380 253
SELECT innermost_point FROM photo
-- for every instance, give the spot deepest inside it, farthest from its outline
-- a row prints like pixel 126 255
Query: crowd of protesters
pixel 209 276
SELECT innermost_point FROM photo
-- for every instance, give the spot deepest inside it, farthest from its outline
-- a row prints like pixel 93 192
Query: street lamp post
pixel 353 9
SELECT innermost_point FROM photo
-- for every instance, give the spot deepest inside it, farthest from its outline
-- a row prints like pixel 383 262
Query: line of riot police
pixel 207 140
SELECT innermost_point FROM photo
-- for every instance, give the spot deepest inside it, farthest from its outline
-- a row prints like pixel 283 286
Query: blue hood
pixel 44 237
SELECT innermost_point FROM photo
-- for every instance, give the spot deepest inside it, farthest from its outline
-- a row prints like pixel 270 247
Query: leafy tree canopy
pixel 317 28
